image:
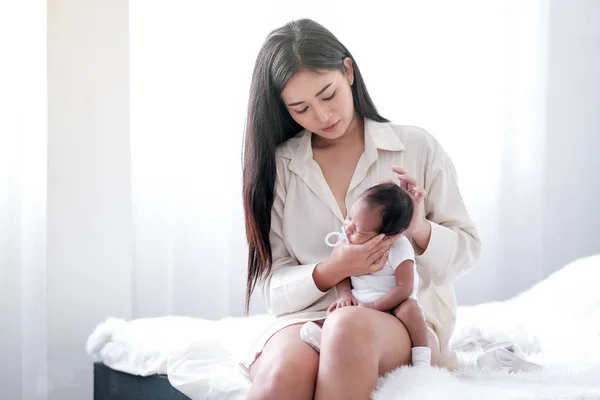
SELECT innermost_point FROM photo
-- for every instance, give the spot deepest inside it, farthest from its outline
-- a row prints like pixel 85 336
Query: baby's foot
pixel 421 356
pixel 311 334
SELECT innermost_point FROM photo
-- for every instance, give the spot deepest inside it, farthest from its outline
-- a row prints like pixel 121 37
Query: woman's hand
pixel 417 194
pixel 348 259
pixel 360 259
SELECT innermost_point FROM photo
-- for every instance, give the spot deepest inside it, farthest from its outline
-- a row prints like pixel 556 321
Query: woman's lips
pixel 331 128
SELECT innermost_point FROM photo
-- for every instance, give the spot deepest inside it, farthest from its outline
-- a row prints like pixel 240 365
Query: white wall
pixel 572 189
pixel 89 208
pixel 561 222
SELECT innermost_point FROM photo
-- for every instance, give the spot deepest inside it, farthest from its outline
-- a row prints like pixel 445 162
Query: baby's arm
pixel 404 288
pixel 345 297
pixel 344 288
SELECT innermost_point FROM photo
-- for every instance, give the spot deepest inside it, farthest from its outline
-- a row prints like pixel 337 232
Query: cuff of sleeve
pixel 294 288
pixel 442 243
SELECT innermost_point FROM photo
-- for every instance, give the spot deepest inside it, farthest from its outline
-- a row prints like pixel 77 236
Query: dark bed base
pixel 114 385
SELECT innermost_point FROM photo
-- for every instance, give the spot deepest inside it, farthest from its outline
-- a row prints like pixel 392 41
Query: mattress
pixel 115 385
pixel 560 332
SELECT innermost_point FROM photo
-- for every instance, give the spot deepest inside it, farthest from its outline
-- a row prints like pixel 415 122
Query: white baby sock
pixel 311 334
pixel 421 356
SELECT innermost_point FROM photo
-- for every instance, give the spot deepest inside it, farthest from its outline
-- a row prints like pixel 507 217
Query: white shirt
pixel 305 210
pixel 370 287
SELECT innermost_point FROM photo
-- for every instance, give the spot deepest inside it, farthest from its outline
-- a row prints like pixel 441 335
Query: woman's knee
pixel 346 327
pixel 287 368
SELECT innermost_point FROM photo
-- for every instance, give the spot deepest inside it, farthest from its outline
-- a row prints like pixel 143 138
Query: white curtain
pixel 23 200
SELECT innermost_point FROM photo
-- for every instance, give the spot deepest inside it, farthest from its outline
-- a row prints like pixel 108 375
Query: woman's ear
pixel 349 70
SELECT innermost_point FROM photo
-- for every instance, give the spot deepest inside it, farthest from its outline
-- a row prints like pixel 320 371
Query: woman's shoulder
pixel 413 136
pixel 288 148
pixel 417 141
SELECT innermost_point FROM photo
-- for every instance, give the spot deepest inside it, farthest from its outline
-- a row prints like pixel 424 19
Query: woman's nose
pixel 322 114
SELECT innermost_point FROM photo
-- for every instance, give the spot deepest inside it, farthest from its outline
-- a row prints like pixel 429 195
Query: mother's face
pixel 321 101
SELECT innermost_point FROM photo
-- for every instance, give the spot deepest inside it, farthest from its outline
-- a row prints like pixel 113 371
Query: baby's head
pixel 385 208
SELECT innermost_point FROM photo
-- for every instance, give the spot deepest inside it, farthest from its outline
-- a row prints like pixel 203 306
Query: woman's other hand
pixel 417 194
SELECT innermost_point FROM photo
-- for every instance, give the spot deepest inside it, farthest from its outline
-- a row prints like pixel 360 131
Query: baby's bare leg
pixel 410 314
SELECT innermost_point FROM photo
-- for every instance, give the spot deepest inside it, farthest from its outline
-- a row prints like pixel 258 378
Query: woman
pixel 315 141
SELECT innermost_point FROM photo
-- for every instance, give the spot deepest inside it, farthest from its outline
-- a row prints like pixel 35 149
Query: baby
pixel 387 209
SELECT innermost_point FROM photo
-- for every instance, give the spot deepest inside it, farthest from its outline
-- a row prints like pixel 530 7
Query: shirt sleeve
pixel 290 286
pixel 401 251
pixel 454 245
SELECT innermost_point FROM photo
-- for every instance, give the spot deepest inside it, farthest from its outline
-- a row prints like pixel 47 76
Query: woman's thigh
pixel 286 365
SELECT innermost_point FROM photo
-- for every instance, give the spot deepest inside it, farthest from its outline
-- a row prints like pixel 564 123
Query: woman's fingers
pixel 378 265
pixel 385 244
pixel 398 170
pixel 419 192
pixel 406 182
pixel 375 256
pixel 373 242
pixel 408 179
pixel 409 183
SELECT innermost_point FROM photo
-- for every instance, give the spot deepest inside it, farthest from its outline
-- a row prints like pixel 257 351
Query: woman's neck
pixel 353 136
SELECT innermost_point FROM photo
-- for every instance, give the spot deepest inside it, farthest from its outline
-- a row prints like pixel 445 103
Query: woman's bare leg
pixel 359 344
pixel 286 369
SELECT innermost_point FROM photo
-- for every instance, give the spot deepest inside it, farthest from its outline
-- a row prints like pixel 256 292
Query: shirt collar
pixel 378 136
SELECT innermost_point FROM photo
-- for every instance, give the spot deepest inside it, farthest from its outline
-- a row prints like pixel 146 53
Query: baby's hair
pixel 395 205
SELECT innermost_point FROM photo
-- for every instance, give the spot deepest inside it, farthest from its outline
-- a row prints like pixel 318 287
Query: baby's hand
pixel 344 300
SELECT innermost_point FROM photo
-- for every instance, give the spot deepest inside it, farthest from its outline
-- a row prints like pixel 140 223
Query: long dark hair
pixel 302 43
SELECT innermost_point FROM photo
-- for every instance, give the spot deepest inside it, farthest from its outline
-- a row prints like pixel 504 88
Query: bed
pixel 176 358
pixel 110 384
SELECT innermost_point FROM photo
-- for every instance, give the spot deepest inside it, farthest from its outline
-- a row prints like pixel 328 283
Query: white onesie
pixel 370 287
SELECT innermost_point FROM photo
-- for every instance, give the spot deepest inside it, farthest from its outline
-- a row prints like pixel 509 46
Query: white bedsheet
pixel 557 322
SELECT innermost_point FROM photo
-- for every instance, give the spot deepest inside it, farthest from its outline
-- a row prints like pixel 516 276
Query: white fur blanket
pixel 557 322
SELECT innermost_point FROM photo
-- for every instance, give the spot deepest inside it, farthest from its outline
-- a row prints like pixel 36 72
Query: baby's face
pixel 362 223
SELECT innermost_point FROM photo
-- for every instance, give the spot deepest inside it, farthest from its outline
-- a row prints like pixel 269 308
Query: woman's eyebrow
pixel 320 91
